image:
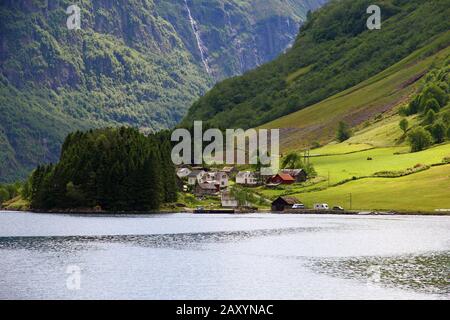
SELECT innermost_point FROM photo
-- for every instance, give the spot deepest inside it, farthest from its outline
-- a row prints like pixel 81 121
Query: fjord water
pixel 260 256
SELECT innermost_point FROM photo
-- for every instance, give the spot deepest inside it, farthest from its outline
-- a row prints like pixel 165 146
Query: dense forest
pixel 109 169
pixel 431 105
pixel 334 51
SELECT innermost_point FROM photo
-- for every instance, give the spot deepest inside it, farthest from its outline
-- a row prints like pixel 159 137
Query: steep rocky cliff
pixel 230 37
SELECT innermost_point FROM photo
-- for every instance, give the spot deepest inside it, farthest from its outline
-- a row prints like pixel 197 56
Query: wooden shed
pixel 282 203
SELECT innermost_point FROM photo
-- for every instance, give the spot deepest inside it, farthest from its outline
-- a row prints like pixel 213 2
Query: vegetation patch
pixel 397 174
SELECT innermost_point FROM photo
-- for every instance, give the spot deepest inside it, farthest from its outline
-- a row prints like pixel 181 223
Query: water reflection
pixel 179 241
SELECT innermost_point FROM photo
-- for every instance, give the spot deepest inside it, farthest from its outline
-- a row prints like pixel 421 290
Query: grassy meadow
pixel 347 166
pixel 424 191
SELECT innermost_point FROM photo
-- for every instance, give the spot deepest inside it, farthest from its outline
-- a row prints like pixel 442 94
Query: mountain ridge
pixel 327 58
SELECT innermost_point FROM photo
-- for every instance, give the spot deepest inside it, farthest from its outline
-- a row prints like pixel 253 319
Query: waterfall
pixel 201 47
pixel 234 35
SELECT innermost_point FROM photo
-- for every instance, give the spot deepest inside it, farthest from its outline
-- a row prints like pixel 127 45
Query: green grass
pixel 383 133
pixel 425 191
pixel 300 72
pixel 192 202
pixel 17 203
pixel 342 167
pixel 341 148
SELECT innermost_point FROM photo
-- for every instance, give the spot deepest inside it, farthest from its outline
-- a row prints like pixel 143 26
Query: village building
pixel 222 178
pixel 218 178
pixel 228 201
pixel 264 177
pixel 283 203
pixel 247 178
pixel 183 173
pixel 195 176
pixel 299 175
pixel 281 178
pixel 230 171
pixel 206 189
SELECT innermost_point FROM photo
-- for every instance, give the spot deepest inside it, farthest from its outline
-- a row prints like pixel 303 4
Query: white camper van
pixel 321 206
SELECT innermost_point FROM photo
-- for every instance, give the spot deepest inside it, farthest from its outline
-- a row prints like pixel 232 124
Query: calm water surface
pixel 184 256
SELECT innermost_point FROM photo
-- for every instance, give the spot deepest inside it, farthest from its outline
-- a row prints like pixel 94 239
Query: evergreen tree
pixel 116 169
pixel 419 139
pixel 343 132
pixel 4 195
pixel 430 117
pixel 438 131
pixel 404 124
pixel 432 104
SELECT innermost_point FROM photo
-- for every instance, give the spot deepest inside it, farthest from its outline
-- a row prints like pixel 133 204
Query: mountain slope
pixel 136 63
pixel 328 57
pixel 367 100
pixel 380 167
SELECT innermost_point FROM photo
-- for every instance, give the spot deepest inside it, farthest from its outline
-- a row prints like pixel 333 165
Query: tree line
pixel 114 169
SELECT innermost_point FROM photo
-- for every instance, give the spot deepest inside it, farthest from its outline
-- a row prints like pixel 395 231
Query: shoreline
pixel 237 212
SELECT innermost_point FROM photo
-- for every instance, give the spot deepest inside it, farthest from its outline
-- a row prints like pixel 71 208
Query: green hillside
pixel 133 63
pixel 378 95
pixel 328 57
pixel 380 167
pixel 376 169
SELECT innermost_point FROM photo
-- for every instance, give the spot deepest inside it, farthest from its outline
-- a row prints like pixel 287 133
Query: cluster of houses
pixel 215 182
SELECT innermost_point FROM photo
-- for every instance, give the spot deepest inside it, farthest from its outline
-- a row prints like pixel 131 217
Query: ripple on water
pixel 427 273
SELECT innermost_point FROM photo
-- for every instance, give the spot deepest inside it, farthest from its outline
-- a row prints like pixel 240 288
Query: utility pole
pixel 328 178
pixel 306 156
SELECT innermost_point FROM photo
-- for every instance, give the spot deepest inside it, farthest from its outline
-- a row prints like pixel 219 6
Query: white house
pixel 247 178
pixel 217 178
pixel 195 176
pixel 222 178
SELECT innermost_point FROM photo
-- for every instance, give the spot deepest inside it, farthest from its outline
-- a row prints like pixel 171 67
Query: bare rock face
pixel 232 37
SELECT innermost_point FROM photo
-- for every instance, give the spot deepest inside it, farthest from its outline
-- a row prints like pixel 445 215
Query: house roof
pixel 207 186
pixel 292 172
pixel 183 172
pixel 242 174
pixel 289 200
pixel 195 173
pixel 285 176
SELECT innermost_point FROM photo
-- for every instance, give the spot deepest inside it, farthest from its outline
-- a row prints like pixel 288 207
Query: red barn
pixel 282 178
